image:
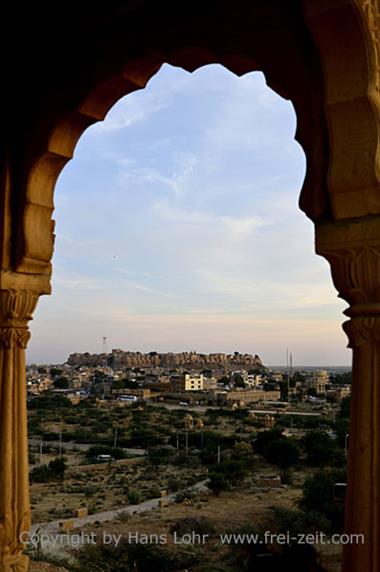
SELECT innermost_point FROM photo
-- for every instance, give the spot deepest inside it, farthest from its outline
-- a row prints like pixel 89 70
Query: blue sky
pixel 178 228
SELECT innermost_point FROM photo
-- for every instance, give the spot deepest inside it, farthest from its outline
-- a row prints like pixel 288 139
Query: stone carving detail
pixel 356 275
pixel 16 309
pixel 370 10
pixel 362 330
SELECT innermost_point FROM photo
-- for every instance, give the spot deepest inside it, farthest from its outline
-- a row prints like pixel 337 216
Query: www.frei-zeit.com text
pixel 268 537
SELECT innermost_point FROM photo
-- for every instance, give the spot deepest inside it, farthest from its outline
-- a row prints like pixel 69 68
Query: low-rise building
pixel 187 382
pixel 319 381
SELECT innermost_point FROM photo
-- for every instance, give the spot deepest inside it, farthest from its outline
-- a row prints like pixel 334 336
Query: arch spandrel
pixel 346 34
pixel 329 80
pixel 265 37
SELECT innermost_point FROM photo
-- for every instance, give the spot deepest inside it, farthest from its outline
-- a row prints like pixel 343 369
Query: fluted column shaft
pixel 363 507
pixel 353 250
pixel 16 308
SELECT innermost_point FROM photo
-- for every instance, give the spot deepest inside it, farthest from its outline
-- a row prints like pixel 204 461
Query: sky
pixel 178 228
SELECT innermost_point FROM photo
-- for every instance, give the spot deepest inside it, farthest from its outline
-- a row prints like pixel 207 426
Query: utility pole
pixel 287 373
pixel 115 438
pixel 177 441
pixel 218 454
pixel 60 444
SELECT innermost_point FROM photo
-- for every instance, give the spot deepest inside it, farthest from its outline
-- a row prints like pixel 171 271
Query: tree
pixel 283 390
pixel 55 371
pixel 284 453
pixel 345 407
pixel 298 377
pixel 238 380
pixel 341 378
pixel 45 473
pixel 234 471
pixel 318 496
pixel 124 384
pixel 57 468
pixel 321 449
pixel 265 438
pixel 160 455
pixel 49 401
pixel 61 383
pixel 217 483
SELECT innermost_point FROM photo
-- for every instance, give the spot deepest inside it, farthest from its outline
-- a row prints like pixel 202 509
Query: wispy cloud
pixel 178 228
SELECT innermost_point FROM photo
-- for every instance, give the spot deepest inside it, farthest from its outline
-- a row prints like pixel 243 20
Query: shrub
pixel 134 497
pixel 320 449
pixel 128 557
pixel 49 401
pixel 318 496
pixel 217 483
pixel 174 485
pixel 40 474
pixel 46 473
pixel 198 525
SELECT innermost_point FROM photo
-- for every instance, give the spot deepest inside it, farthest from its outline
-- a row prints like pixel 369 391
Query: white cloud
pixel 178 227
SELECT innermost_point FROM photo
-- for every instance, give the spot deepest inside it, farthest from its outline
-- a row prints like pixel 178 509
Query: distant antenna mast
pixel 105 350
pixel 287 370
pixel 289 374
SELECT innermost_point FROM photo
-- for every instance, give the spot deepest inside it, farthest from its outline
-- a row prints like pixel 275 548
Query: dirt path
pixel 56 543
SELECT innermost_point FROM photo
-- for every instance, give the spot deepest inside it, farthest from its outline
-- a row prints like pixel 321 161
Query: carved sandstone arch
pixel 323 55
pixel 337 110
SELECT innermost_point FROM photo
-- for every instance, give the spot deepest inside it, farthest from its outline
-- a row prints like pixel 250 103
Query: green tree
pixel 55 371
pixel 318 496
pixel 217 483
pixel 345 407
pixel 160 455
pixel 321 450
pixel 264 439
pixel 49 401
pixel 61 383
pixel 57 467
pixel 234 471
pixel 284 453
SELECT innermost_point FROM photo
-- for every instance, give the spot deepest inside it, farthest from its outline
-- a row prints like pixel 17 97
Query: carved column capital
pixel 16 309
pixel 353 251
pixel 356 275
pixel 362 330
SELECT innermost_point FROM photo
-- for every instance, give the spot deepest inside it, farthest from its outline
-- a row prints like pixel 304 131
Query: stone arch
pixel 330 87
pixel 323 55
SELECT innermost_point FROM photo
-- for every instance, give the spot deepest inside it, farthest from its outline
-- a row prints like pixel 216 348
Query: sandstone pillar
pixel 353 250
pixel 16 308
